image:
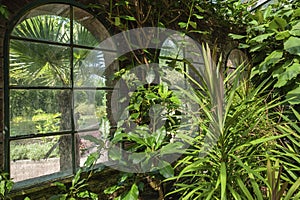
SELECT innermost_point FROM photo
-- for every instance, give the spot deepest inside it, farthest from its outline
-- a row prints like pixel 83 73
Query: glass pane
pixel 92 142
pixel 35 64
pixel 32 158
pixel 89 67
pixel 88 31
pixel 235 59
pixel 39 111
pixel 50 23
pixel 90 110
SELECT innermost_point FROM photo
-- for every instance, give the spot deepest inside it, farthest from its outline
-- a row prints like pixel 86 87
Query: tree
pixel 47 63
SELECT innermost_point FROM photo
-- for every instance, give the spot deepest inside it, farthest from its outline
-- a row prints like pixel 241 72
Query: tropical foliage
pixel 247 143
pixel 272 38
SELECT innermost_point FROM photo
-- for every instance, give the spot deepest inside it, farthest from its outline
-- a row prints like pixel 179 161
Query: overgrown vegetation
pixel 247 145
pixel 271 38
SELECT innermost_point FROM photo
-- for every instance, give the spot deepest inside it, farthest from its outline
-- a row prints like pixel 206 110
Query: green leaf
pixel 296 13
pixel 167 171
pixel 282 35
pixel 244 189
pixel 133 194
pixel 236 37
pixel 137 157
pixel 159 135
pixel 76 178
pixel 88 194
pixel 295 30
pixel 172 148
pixel 61 186
pixel 291 191
pixel 94 140
pixel 294 96
pixel 198 16
pixel 193 24
pixel 223 178
pixel 270 61
pixel 112 189
pixel 261 38
pixel 292 45
pixel 129 18
pixel 117 21
pixel 235 195
pixel 243 46
pixel 182 24
pixel 278 23
pixel 290 73
pixel 91 159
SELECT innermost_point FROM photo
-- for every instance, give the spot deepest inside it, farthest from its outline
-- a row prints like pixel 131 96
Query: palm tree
pixel 40 55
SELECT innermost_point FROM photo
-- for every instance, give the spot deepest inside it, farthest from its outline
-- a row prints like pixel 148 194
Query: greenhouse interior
pixel 150 99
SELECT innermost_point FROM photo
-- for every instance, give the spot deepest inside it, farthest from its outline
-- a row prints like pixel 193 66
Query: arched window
pixel 237 59
pixel 181 53
pixel 56 92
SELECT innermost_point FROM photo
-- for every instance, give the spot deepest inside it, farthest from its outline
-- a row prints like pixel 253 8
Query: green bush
pixel 32 151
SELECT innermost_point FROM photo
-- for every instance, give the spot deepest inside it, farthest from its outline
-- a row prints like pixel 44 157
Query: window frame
pixel 7 87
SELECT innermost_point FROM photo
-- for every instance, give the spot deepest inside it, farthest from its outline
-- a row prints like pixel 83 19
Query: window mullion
pixel 74 156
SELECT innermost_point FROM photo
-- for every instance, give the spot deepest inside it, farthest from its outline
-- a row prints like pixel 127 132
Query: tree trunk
pixel 65 141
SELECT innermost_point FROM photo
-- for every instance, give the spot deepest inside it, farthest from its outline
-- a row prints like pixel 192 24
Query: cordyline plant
pixel 238 130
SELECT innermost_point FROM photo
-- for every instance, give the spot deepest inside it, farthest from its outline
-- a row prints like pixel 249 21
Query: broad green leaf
pixel 292 45
pixel 267 12
pixel 295 30
pixel 2 188
pixel 270 61
pixel 278 23
pixel 167 171
pixel 172 148
pixel 296 13
pixel 261 38
pixel 294 96
pixel 133 193
pixel 290 73
pixel 94 140
pixel 282 35
pixel 257 47
pixel 137 157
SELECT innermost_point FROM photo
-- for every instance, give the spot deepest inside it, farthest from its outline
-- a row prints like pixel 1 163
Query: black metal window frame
pixel 7 87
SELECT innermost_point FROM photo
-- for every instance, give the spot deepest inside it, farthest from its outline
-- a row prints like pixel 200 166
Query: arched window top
pixel 53 23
